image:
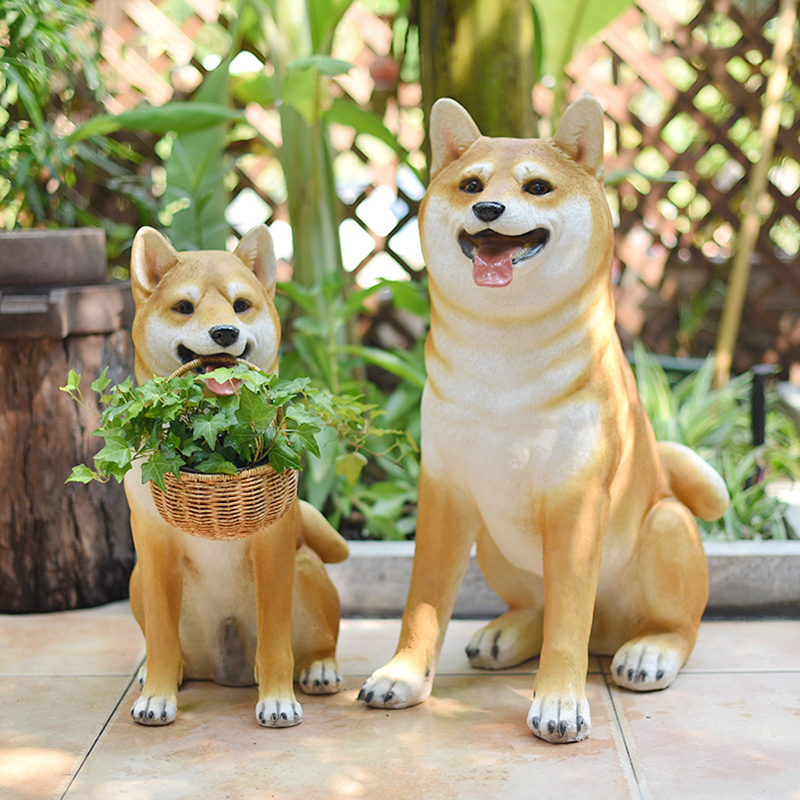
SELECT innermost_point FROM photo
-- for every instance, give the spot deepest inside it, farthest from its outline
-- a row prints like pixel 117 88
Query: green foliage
pixel 175 423
pixel 716 424
pixel 561 28
pixel 385 494
pixel 49 80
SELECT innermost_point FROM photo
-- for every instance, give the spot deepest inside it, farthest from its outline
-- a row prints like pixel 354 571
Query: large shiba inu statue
pixel 255 610
pixel 534 441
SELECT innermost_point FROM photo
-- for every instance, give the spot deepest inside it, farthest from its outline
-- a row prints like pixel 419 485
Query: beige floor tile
pixel 95 641
pixel 743 646
pixel 47 725
pixel 469 740
pixel 365 645
pixel 729 736
pixel 733 646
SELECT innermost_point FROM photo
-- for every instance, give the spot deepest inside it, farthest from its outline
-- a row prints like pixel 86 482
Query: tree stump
pixel 61 546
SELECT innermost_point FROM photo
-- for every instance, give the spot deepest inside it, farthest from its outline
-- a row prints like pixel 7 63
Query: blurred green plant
pixel 49 79
pixel 716 424
pixel 561 28
pixel 382 502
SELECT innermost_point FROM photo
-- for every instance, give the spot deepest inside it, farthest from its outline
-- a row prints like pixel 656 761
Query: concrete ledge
pixel 747 579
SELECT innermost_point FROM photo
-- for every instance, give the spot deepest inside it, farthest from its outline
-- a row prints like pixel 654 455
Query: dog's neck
pixel 514 355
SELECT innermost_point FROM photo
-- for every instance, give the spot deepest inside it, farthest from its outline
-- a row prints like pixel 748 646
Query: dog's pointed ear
pixel 580 134
pixel 152 256
pixel 257 252
pixel 452 131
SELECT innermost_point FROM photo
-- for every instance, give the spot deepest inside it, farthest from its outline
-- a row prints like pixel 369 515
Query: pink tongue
pixel 229 387
pixel 492 266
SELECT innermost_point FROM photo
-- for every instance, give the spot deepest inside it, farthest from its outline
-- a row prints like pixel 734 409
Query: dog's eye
pixel 183 307
pixel 240 306
pixel 538 187
pixel 471 186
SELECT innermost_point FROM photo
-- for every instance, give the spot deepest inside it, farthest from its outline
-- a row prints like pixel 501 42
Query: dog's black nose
pixel 224 335
pixel 488 210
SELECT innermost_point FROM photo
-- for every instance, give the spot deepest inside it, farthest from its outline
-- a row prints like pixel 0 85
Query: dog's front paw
pixel 560 719
pixel 322 677
pixel 397 685
pixel 644 666
pixel 155 710
pixel 279 712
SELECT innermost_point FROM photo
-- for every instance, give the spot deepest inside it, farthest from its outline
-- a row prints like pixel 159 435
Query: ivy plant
pixel 176 423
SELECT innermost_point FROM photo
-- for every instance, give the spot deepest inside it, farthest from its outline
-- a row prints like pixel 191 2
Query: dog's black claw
pixel 369 697
pixel 562 729
pixel 551 727
pixel 660 675
pixel 360 695
pixel 537 721
pixel 579 723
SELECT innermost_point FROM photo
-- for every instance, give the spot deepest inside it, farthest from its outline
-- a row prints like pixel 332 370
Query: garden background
pixel 204 118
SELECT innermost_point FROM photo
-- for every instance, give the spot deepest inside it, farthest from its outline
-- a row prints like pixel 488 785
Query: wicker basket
pixel 224 507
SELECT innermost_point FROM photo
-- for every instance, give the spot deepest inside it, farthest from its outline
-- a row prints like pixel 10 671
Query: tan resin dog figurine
pixel 534 441
pixel 255 610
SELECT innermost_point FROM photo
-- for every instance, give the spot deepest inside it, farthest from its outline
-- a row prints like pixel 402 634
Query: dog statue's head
pixel 502 212
pixel 203 303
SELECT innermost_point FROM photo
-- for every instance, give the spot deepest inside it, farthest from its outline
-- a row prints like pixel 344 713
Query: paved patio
pixel 728 727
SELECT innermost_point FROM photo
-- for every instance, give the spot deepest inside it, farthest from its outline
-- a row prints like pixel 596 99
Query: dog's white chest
pixel 512 465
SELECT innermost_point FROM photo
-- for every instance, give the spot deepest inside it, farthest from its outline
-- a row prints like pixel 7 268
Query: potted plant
pixel 204 434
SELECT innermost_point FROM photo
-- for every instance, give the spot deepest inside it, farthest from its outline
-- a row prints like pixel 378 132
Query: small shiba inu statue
pixel 256 610
pixel 534 441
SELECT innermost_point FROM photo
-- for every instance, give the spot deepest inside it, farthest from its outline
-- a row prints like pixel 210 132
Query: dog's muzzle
pixel 494 255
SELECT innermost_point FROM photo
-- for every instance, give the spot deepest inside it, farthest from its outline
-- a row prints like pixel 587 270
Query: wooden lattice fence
pixel 684 100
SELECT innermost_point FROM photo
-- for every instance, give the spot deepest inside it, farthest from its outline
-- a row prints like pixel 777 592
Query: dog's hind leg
pixel 315 625
pixel 673 571
pixel 515 636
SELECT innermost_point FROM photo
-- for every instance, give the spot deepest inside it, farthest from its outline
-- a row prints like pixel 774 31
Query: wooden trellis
pixel 684 101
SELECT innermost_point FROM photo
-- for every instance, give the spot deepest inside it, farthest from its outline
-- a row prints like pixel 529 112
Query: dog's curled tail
pixel 321 537
pixel 697 485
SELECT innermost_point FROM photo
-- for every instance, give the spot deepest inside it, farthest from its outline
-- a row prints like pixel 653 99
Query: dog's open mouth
pixel 211 363
pixel 494 255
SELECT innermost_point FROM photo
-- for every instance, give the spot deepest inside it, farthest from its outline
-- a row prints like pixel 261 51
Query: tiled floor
pixel 729 727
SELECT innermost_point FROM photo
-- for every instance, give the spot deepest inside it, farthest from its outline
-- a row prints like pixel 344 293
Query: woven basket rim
pixel 220 477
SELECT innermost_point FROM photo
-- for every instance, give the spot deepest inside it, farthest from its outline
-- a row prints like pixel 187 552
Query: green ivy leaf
pixel 155 469
pixel 216 464
pixel 282 457
pixel 208 428
pixel 100 384
pixel 116 453
pixel 254 411
pixel 81 474
pixel 350 465
pixel 73 383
